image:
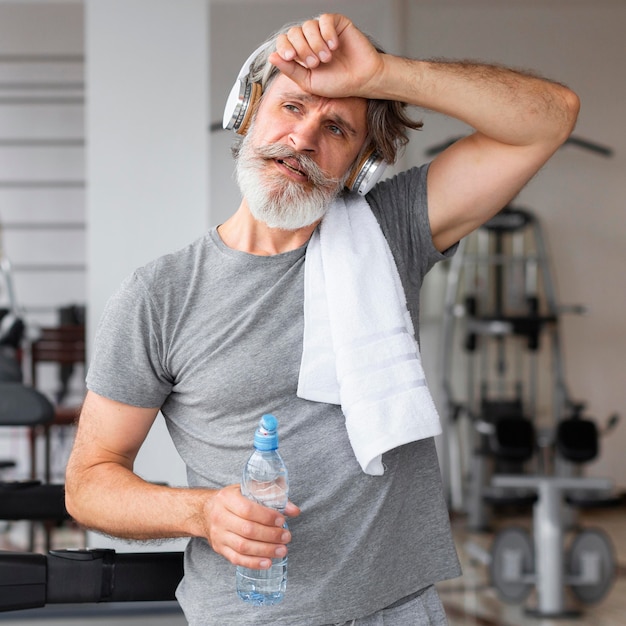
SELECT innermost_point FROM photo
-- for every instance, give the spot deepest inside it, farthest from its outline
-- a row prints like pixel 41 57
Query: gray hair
pixel 387 120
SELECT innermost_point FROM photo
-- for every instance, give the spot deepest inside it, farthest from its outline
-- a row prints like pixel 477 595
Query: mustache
pixel 305 163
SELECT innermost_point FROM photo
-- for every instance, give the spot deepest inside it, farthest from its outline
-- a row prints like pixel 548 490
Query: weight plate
pixel 512 564
pixel 592 543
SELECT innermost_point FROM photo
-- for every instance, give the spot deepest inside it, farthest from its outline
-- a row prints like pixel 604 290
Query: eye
pixel 288 106
pixel 335 130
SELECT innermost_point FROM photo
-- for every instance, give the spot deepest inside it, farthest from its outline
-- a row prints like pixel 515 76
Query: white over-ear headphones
pixel 241 103
pixel 243 97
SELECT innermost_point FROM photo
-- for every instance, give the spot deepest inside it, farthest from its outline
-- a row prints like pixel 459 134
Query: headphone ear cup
pixel 248 111
pixel 366 173
pixel 243 96
pixel 240 106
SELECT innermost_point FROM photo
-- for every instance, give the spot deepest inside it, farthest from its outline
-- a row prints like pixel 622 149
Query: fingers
pixel 253 546
pixel 312 42
pixel 245 532
pixel 291 510
pixel 327 56
pixel 328 28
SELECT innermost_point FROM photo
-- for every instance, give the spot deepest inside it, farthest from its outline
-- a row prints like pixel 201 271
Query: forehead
pixel 353 110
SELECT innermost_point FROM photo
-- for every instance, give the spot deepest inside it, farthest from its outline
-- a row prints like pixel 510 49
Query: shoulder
pixel 169 273
pixel 400 204
pixel 177 261
pixel 407 186
pixel 163 280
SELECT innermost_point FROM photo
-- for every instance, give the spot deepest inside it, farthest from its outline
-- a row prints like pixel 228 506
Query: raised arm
pixel 103 492
pixel 519 120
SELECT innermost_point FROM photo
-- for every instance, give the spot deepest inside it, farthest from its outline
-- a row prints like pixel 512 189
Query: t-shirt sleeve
pixel 127 358
pixel 400 204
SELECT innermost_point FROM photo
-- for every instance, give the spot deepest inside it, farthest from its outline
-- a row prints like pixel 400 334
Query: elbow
pixel 570 111
pixel 70 501
pixel 572 105
pixel 72 496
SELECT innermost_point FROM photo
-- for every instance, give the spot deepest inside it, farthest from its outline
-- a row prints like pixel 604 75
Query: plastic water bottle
pixel 265 481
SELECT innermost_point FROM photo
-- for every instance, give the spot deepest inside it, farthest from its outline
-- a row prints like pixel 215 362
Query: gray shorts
pixel 425 609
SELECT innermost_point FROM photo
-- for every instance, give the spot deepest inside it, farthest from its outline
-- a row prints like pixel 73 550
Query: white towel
pixel 359 347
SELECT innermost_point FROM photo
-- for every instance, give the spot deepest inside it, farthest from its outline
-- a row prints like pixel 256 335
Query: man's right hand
pixel 245 532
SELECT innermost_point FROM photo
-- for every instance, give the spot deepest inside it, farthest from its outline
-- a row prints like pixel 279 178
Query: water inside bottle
pixel 263 587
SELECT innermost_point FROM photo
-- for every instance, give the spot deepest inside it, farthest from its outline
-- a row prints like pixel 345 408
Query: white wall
pixel 147 119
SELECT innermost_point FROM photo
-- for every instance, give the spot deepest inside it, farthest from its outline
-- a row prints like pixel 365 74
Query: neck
pixel 243 232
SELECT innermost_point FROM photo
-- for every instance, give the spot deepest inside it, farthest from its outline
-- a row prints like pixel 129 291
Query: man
pixel 212 337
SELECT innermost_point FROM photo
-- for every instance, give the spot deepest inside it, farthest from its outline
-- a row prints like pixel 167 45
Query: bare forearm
pixel 111 499
pixel 509 106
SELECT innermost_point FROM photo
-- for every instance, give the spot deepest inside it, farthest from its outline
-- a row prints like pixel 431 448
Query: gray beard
pixel 274 199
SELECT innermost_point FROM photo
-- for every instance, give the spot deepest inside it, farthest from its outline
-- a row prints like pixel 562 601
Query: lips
pixel 293 165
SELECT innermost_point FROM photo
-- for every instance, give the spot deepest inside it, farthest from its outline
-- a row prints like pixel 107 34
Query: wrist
pixel 195 508
pixel 399 79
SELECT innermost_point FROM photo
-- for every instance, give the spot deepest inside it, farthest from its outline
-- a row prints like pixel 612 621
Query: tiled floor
pixel 472 600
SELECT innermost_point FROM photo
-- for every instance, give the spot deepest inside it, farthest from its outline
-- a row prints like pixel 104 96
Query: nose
pixel 304 136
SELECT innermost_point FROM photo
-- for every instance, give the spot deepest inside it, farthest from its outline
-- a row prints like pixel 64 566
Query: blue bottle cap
pixel 266 435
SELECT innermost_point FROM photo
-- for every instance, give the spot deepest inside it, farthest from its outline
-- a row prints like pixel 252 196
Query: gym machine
pixel 585 565
pixel 29 580
pixel 500 410
pixel 514 435
pixel 519 564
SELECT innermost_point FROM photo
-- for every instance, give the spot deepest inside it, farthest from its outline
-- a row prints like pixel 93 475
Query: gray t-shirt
pixel 213 336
